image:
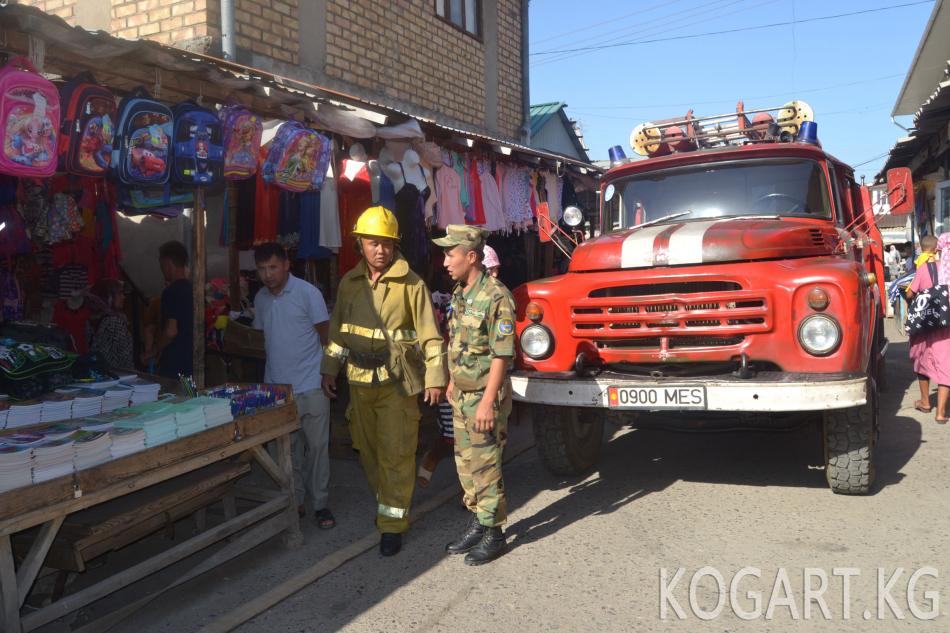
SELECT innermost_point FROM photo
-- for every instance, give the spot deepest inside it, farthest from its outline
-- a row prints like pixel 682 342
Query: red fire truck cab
pixel 741 277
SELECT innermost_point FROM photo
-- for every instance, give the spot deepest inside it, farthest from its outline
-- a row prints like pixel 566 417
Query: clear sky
pixel 848 69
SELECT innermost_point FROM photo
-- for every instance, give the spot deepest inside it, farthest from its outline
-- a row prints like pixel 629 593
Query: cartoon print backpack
pixel 140 152
pixel 294 157
pixel 89 118
pixel 242 131
pixel 29 105
pixel 198 156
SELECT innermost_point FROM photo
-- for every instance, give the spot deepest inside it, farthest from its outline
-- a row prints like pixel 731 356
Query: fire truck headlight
pixel 536 341
pixel 573 216
pixel 819 334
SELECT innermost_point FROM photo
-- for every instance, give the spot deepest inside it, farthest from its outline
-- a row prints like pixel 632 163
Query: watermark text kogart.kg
pixel 802 594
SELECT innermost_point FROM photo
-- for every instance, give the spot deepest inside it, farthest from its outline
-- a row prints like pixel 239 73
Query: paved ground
pixel 586 554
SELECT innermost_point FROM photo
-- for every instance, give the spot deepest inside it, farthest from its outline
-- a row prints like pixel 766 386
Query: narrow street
pixel 586 554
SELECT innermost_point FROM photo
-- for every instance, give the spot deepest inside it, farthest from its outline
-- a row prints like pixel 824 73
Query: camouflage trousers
pixel 478 455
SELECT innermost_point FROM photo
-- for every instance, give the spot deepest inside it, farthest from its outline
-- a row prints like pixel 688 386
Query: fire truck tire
pixel 850 436
pixel 569 439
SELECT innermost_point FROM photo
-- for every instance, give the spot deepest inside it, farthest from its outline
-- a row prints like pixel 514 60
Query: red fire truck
pixel 737 269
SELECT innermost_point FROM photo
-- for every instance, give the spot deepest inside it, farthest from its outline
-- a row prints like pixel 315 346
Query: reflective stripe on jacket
pixel 401 303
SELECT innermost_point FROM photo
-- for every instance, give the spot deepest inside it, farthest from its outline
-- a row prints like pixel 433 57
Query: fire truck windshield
pixel 774 187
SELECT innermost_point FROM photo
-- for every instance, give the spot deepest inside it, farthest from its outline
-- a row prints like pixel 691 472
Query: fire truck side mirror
pixel 900 191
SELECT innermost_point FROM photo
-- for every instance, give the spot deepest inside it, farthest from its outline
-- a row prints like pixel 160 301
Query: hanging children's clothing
pixel 414 242
pixel 266 208
pixel 311 207
pixel 329 209
pixel 552 185
pixel 355 196
pixel 491 198
pixel 448 191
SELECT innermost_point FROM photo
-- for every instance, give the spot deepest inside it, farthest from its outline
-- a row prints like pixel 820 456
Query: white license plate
pixel 677 397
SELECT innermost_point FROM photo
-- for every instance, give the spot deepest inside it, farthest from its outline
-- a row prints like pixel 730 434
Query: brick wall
pixel 264 27
pixel 65 9
pixel 510 109
pixel 165 21
pixel 401 49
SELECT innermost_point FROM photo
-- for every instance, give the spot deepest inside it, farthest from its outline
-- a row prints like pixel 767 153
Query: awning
pixel 173 74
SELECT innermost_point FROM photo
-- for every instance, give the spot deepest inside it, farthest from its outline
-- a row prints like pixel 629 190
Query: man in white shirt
pixel 294 318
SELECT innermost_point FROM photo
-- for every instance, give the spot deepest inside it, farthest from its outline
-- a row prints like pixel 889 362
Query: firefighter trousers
pixel 384 425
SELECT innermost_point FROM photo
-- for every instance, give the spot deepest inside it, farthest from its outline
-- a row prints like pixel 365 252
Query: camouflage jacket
pixel 481 327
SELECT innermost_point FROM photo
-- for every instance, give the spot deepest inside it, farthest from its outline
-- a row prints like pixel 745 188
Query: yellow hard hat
pixel 377 222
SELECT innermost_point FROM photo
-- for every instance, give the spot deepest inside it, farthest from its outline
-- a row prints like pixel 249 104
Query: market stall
pixel 107 130
pixel 213 456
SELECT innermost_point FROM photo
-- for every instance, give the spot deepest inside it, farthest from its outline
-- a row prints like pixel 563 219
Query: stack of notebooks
pixel 116 398
pixel 217 410
pixel 190 418
pixel 126 441
pixel 56 407
pixel 92 448
pixel 15 466
pixel 52 459
pixel 26 413
pixel 159 427
pixel 142 390
pixel 87 402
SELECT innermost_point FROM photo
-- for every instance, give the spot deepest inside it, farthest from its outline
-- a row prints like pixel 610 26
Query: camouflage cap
pixel 462 235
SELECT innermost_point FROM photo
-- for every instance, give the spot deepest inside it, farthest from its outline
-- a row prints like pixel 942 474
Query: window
pixel 942 224
pixel 777 187
pixel 463 14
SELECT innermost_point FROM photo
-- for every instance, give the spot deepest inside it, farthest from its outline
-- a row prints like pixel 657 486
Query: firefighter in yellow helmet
pixel 383 330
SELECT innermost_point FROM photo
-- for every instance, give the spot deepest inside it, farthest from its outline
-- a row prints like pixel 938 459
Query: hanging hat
pixel 430 154
pixel 358 153
pixel 343 122
pixel 407 129
pixel 414 174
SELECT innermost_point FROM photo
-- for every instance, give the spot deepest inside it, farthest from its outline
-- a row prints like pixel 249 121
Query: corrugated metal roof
pixel 173 74
pixel 932 116
pixel 542 112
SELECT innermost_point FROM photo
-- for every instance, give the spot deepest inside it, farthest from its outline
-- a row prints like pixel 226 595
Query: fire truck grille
pixel 686 314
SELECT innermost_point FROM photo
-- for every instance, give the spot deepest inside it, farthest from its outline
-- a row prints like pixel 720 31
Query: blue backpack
pixel 140 151
pixel 198 148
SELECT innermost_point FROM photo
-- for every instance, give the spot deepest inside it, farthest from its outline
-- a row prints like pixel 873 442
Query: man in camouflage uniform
pixel 481 348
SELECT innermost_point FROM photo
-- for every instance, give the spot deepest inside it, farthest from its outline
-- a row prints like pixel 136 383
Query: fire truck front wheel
pixel 850 436
pixel 568 438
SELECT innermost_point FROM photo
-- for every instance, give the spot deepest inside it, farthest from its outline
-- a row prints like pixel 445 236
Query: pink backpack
pixel 242 141
pixel 29 107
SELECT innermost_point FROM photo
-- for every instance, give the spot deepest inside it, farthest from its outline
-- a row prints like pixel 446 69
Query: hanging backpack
pixel 140 152
pixel 29 107
pixel 198 156
pixel 242 130
pixel 164 200
pixel 89 119
pixel 293 162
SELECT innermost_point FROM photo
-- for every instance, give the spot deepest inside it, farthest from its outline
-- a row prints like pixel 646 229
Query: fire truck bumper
pixel 766 392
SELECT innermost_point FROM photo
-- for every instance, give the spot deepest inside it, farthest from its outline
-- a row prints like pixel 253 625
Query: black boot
pixel 390 544
pixel 469 538
pixel 491 547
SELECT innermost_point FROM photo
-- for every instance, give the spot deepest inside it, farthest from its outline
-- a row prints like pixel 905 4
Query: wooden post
pixel 198 274
pixel 8 586
pixel 234 259
pixel 293 537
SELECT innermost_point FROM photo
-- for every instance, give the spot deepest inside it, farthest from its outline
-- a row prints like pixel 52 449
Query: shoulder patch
pixel 505 327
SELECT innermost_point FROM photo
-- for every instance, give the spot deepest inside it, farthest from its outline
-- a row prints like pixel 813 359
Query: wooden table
pixel 48 504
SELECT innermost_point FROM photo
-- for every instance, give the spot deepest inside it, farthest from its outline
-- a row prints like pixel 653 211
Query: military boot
pixel 469 538
pixel 491 547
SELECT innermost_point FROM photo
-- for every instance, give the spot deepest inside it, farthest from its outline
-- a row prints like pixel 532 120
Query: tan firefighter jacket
pixel 402 304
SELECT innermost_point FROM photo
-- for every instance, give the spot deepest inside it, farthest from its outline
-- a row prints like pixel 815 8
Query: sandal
pixel 919 405
pixel 942 420
pixel 325 520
